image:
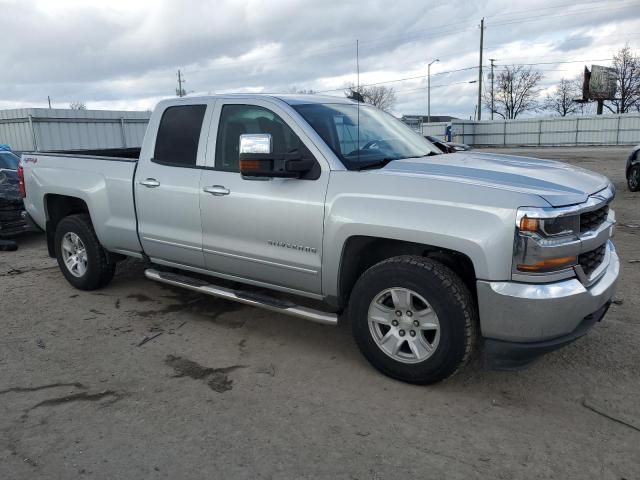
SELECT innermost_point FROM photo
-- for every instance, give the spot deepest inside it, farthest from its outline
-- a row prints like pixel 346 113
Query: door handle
pixel 150 183
pixel 217 190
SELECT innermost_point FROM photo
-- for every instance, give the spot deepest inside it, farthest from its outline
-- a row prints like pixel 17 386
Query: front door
pixel 167 187
pixel 267 231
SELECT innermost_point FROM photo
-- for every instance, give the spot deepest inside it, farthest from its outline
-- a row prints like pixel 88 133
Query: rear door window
pixel 178 135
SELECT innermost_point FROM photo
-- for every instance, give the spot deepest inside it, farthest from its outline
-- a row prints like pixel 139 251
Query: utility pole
pixel 480 71
pixel 429 90
pixel 180 91
pixel 49 100
pixel 492 107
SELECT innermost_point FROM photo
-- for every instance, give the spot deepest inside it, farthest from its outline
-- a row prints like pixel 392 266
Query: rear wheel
pixel 413 319
pixel 82 260
pixel 633 178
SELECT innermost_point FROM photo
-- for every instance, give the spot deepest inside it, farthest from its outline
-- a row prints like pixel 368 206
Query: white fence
pixel 593 130
pixel 56 129
pixel 28 129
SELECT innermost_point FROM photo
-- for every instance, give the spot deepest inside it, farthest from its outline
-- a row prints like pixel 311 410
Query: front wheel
pixel 82 260
pixel 413 319
pixel 633 178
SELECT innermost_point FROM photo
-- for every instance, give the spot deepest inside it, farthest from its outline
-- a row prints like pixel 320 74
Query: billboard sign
pixel 602 83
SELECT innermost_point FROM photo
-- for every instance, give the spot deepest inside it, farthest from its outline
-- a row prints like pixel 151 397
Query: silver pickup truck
pixel 318 206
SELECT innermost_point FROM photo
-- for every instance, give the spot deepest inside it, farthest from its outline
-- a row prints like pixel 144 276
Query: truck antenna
pixel 359 96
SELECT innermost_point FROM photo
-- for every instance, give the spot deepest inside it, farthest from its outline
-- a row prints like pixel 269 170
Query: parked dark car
pixel 633 169
pixel 12 220
pixel 447 147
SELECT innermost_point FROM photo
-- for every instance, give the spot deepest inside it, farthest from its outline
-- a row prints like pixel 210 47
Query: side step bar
pixel 248 298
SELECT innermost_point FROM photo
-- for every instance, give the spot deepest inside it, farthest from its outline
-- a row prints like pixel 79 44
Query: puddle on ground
pixel 216 378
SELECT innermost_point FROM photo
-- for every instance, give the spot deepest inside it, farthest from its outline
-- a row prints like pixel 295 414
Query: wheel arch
pixel 56 208
pixel 361 252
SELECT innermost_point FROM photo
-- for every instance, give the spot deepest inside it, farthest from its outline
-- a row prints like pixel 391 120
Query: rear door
pixel 167 185
pixel 269 230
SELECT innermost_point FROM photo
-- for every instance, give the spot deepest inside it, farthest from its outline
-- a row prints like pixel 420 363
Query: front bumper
pixel 548 314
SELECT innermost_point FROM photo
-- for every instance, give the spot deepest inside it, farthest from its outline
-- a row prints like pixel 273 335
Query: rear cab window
pixel 178 136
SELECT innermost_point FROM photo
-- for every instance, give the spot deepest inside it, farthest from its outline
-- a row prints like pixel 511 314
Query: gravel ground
pixel 227 391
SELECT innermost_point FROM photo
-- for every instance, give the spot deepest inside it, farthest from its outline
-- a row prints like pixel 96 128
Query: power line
pixel 435 86
pixel 419 33
pixel 558 63
pixel 368 44
pixel 418 77
pixel 552 7
pixel 535 18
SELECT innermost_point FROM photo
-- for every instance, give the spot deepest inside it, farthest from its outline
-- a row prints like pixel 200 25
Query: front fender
pixel 483 234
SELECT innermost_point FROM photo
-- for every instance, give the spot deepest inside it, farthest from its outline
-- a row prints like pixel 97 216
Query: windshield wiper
pixel 429 154
pixel 376 164
pixel 385 161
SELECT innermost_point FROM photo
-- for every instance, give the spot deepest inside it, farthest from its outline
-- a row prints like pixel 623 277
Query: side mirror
pixel 257 159
pixel 256 143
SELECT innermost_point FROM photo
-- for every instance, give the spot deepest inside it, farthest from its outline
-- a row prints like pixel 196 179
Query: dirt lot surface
pixel 227 391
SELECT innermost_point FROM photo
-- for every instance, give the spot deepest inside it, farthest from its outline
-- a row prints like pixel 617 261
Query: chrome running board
pixel 253 299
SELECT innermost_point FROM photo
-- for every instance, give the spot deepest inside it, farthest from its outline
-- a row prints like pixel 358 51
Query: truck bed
pixel 103 183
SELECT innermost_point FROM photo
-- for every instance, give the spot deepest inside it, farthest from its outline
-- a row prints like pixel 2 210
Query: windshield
pixel 381 138
pixel 9 161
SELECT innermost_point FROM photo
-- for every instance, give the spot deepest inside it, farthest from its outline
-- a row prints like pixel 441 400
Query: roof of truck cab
pixel 291 99
pixel 299 99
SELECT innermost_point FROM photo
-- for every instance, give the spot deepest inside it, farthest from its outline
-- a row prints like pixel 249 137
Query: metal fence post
pixel 577 129
pixel 504 132
pixel 33 134
pixel 122 132
pixel 539 132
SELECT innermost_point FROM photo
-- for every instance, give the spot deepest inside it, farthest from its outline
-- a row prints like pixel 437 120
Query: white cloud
pixel 124 54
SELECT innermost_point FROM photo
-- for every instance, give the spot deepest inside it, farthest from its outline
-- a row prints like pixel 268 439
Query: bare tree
pixel 627 66
pixel 515 91
pixel 295 89
pixel 378 95
pixel 562 99
pixel 77 106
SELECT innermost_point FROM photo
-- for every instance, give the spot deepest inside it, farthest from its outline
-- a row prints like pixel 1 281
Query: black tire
pixel 633 178
pixel 100 268
pixel 447 296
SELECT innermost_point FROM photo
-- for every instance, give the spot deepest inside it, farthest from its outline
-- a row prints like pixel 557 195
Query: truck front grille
pixel 592 220
pixel 589 261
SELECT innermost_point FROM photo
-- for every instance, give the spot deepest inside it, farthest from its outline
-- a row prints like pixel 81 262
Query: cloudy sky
pixel 124 54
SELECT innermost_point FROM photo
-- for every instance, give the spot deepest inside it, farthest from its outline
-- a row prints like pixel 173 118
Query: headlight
pixel 551 227
pixel 545 243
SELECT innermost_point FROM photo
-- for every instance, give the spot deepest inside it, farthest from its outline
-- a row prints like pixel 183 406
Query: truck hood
pixel 558 183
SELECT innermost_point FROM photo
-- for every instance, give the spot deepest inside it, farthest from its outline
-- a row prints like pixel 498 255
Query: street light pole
pixel 429 90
